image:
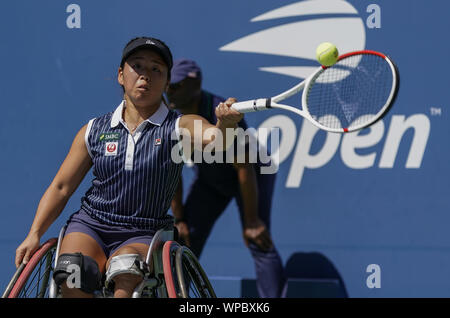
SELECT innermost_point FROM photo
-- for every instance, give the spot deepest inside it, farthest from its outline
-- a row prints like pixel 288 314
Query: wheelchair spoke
pixel 37 285
pixel 30 288
pixel 192 278
pixel 26 288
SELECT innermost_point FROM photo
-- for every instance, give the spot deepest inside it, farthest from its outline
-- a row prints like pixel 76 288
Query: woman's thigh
pixel 78 242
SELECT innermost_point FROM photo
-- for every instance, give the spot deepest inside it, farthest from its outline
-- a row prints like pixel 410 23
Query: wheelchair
pixel 172 271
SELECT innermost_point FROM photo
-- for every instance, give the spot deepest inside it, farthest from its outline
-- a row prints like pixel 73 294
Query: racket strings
pixel 351 93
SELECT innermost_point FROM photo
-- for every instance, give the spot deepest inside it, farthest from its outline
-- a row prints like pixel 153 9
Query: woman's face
pixel 144 77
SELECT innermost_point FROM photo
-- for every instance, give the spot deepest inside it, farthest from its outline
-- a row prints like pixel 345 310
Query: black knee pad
pixel 86 267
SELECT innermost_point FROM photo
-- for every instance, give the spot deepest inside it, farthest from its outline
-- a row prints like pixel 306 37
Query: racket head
pixel 352 94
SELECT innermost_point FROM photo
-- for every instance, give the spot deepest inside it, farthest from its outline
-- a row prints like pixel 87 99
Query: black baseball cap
pixel 149 43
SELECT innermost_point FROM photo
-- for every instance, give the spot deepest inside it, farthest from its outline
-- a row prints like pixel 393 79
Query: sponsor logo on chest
pixel 109 137
pixel 111 148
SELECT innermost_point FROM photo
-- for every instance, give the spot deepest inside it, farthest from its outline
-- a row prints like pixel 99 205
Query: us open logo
pixel 298 39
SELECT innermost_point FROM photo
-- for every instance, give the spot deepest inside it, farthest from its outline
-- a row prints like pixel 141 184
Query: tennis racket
pixel 352 94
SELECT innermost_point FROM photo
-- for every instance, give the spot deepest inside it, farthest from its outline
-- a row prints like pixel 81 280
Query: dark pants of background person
pixel 203 207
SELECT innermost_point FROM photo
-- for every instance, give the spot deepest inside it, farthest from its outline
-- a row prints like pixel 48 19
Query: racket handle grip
pixel 252 105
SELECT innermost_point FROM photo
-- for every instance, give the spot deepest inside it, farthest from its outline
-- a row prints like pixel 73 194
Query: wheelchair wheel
pixel 184 276
pixel 33 279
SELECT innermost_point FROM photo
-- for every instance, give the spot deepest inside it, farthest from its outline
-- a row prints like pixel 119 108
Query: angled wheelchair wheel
pixel 33 279
pixel 184 276
pixel 170 274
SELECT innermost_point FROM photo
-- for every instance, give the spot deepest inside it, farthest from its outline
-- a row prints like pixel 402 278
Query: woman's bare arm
pixel 70 174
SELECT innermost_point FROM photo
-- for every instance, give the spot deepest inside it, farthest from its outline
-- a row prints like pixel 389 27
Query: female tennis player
pixel 134 177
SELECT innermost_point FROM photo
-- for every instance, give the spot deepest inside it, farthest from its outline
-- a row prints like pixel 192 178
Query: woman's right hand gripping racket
pixel 350 95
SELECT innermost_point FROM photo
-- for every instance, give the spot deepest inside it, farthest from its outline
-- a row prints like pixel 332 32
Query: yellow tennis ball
pixel 327 54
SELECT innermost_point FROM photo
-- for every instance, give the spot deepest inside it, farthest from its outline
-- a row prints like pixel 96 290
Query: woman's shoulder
pixel 102 119
pixel 172 116
pixel 113 117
